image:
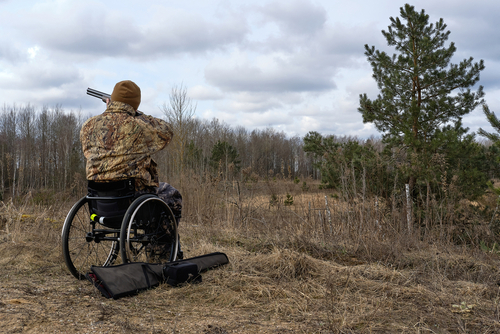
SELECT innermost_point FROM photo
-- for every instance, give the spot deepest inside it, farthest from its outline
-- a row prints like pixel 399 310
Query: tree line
pixel 201 146
pixel 40 149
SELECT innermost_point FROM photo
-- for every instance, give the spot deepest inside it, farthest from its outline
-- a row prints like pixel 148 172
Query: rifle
pixel 98 94
pixel 104 96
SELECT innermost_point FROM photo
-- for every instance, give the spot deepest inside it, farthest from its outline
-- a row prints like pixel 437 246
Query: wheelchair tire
pixel 80 248
pixel 149 232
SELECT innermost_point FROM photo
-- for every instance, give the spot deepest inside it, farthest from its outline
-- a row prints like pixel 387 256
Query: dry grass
pixel 293 269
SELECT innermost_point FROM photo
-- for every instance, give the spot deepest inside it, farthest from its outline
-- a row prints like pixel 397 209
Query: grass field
pixel 301 261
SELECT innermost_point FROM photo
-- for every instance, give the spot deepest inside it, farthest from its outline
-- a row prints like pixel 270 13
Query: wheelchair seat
pixel 110 200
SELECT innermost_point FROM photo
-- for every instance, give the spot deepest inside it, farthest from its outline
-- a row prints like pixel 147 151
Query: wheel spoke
pixel 148 231
pixel 81 247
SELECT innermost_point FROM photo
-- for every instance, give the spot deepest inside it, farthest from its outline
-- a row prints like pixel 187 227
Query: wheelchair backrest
pixel 111 199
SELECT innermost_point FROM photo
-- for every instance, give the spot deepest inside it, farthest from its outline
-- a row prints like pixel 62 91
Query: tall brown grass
pixel 277 212
pixel 298 214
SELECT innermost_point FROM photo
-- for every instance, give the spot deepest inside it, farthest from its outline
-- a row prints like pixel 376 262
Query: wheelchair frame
pixel 146 232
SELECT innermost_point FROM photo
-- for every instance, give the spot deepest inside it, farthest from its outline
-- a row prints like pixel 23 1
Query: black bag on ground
pixel 179 272
pixel 189 270
pixel 130 278
pixel 207 261
pixel 124 279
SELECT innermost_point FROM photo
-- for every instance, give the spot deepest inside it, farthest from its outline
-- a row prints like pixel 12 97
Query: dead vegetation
pixel 301 261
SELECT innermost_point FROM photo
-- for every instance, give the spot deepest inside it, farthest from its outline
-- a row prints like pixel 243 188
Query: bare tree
pixel 179 113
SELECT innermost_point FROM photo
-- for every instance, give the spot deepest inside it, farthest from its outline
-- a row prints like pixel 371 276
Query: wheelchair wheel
pixel 149 232
pixel 86 243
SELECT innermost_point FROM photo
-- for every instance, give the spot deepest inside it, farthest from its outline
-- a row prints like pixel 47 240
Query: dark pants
pixel 168 194
pixel 171 196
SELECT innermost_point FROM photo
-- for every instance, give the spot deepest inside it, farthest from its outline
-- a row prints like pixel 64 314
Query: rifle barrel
pixel 94 92
pixel 103 96
pixel 98 94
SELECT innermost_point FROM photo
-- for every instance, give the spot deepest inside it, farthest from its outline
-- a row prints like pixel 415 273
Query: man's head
pixel 127 92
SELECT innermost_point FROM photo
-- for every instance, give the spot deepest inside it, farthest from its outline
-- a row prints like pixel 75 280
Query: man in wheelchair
pixel 118 145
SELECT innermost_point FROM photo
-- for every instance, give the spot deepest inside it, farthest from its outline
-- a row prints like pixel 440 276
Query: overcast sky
pixel 295 65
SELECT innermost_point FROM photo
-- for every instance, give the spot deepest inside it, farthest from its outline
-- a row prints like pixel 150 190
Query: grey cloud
pixel 473 27
pixel 296 17
pixel 97 31
pixel 311 67
pixel 454 12
pixel 258 102
pixel 37 75
pixel 188 34
pixel 44 82
pixel 9 53
pixel 349 41
pixel 283 77
pixel 328 39
pixel 71 95
pixel 489 77
pixel 332 47
pixel 474 37
pixel 80 30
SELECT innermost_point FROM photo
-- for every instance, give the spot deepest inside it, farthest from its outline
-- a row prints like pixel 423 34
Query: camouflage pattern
pixel 118 145
pixel 169 195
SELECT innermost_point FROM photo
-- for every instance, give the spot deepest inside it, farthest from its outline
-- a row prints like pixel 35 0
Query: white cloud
pixel 201 92
pixel 249 105
pixel 32 52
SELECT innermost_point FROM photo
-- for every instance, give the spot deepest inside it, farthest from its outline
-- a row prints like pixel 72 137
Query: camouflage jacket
pixel 118 145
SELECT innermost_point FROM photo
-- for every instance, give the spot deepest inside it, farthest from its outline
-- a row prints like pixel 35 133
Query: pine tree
pixel 420 90
pixel 224 158
pixel 494 122
pixel 495 138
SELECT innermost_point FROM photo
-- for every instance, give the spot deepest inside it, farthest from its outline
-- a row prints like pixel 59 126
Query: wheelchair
pixel 113 224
